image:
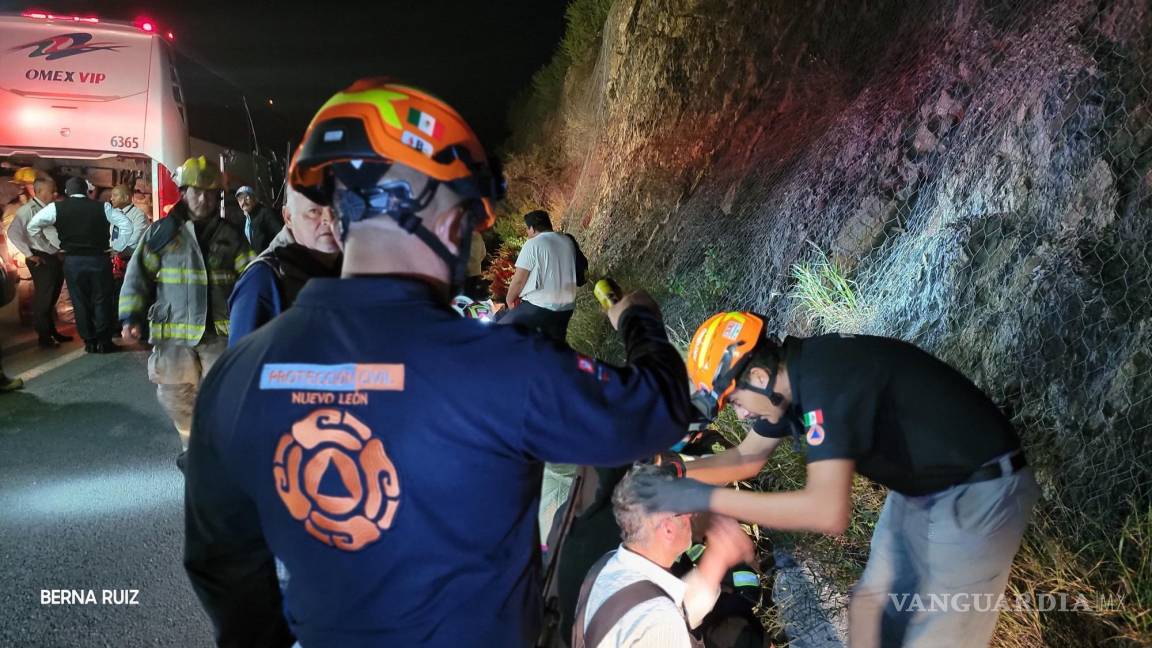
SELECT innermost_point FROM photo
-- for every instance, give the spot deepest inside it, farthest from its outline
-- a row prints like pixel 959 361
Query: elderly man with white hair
pixel 630 598
pixel 309 246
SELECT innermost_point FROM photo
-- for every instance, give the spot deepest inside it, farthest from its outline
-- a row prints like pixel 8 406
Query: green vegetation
pixel 826 298
pixel 532 108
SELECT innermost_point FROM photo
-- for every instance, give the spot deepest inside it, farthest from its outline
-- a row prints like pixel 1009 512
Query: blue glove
pixel 665 495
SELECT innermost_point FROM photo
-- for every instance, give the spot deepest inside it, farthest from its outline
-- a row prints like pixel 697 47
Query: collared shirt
pixel 123 239
pixel 47 216
pixel 21 239
pixel 657 622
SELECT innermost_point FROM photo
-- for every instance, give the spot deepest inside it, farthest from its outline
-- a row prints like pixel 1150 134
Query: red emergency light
pixel 40 15
pixel 146 25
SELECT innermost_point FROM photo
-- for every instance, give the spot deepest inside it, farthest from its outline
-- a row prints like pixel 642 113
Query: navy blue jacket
pixel 389 452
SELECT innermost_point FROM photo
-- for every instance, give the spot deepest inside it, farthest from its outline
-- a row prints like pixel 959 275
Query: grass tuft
pixel 826 299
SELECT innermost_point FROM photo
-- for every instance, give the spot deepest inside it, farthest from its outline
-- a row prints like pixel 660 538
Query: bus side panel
pixel 166 133
pixel 75 87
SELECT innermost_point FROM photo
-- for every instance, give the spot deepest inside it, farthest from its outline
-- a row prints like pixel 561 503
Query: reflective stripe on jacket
pixel 170 283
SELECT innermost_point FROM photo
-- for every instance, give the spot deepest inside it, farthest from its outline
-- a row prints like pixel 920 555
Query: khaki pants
pixel 939 563
pixel 177 371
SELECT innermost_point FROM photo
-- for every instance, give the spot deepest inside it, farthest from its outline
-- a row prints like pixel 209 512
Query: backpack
pixel 581 261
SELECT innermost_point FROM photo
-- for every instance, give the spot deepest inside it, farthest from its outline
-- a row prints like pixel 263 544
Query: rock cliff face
pixel 982 168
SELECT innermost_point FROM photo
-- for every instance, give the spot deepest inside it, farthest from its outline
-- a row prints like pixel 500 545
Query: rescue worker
pixel 308 247
pixel 353 436
pixel 178 281
pixel 960 494
pixel 83 226
pixel 44 261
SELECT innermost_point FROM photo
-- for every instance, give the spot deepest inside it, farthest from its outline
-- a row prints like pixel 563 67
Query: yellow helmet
pixel 24 175
pixel 200 173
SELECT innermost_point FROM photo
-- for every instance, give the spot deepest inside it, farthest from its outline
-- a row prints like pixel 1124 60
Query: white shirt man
pixel 46 218
pixel 126 239
pixel 542 292
pixel 653 541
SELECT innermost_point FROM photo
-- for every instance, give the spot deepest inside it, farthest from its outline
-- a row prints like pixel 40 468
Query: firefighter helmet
pixel 24 175
pixel 200 173
pixel 719 353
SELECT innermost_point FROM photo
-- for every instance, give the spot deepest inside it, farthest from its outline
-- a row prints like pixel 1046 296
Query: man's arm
pixel 126 229
pixel 225 555
pixel 515 285
pixel 727 546
pixel 139 290
pixel 734 464
pixel 254 302
pixel 18 234
pixel 42 219
pixel 824 506
pixel 583 411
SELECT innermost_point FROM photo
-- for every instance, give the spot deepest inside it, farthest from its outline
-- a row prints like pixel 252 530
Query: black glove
pixel 659 494
pixel 671 464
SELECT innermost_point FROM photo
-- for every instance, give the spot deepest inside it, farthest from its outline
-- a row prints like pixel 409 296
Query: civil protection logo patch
pixel 814 427
pixel 336 479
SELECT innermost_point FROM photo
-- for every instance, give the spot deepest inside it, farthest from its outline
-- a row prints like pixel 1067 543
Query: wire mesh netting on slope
pixel 982 173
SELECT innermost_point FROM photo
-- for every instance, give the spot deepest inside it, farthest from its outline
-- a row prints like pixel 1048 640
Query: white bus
pixel 100 99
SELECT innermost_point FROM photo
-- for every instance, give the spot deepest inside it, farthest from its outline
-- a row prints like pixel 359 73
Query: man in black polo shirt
pixel 960 493
pixel 82 224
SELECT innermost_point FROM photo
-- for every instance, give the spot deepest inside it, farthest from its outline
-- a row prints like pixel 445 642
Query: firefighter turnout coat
pixel 175 286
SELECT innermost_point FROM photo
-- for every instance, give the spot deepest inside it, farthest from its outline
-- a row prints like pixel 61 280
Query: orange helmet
pixel 377 121
pixel 720 351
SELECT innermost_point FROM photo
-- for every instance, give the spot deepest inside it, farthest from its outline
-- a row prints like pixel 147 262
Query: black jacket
pixel 266 224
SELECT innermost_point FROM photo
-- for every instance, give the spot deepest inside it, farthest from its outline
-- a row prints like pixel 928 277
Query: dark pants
pixel 48 278
pixel 552 323
pixel 90 285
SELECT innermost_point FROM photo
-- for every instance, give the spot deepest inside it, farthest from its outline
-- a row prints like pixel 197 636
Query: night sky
pixel 475 54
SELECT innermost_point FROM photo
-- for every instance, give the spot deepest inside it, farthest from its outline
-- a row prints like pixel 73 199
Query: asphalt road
pixel 91 499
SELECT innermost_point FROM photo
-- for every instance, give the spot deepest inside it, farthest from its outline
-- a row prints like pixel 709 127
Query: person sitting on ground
pixel 309 246
pixel 542 292
pixel 630 598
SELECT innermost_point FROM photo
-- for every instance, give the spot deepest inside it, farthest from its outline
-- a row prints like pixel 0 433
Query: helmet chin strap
pixel 776 398
pixel 405 212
